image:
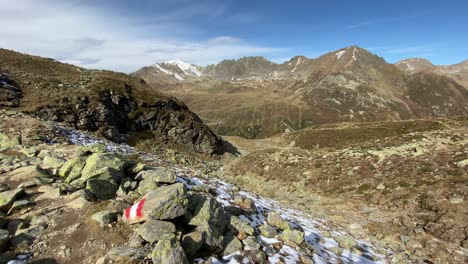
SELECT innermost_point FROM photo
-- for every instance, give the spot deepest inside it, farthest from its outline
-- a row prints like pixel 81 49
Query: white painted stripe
pixel 133 210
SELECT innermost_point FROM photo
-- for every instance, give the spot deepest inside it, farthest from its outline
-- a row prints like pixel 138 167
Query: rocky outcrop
pixel 111 104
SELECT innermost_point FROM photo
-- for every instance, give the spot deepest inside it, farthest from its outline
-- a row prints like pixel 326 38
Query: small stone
pixel 268 231
pixel 274 219
pixel 293 235
pixel 154 230
pixel 104 218
pixel 381 187
pixel 7 198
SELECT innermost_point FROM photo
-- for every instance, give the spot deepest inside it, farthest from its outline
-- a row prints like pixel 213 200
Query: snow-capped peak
pixel 188 69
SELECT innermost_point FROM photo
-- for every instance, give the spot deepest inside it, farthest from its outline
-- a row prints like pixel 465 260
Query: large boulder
pixel 274 219
pixel 213 238
pixel 71 170
pixel 231 245
pixel 169 251
pixel 102 189
pixel 166 202
pixel 205 209
pixel 98 161
pixel 155 230
pixel 296 236
pixel 192 242
pixel 159 175
pixel 51 162
pixel 7 198
pixel 242 227
pixel 125 255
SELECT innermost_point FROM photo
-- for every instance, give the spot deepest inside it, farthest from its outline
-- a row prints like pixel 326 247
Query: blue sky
pixel 125 35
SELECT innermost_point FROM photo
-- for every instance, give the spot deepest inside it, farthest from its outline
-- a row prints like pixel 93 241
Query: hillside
pixel 255 98
pixel 114 105
pixel 458 72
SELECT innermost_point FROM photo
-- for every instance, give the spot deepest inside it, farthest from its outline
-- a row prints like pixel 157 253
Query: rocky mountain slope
pixel 114 105
pixel 458 72
pixel 108 203
pixel 255 98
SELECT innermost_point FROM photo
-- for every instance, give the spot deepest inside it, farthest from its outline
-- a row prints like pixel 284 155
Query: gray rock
pixel 159 175
pixel 231 245
pixel 169 251
pixel 4 237
pixel 104 218
pixel 268 231
pixel 205 209
pixel 7 198
pixel 242 227
pixel 274 219
pixel 155 230
pixel 125 255
pixel 293 235
pixel 192 242
pixel 102 189
pixel 167 202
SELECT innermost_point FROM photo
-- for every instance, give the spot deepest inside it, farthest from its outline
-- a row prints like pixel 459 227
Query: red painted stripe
pixel 127 212
pixel 139 207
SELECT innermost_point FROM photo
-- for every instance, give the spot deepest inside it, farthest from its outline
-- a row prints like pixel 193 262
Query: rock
pixel 8 142
pixel 296 236
pixel 71 170
pixel 24 173
pixel 166 202
pixel 26 236
pixel 268 231
pixel 78 203
pixel 251 243
pixel 125 255
pixel 274 219
pixel 104 218
pixel 169 251
pixel 462 164
pixel 245 203
pixel 136 168
pixel 159 175
pixel 102 189
pixel 213 238
pixel 231 244
pixel 147 185
pixel 346 242
pixel 155 230
pixel 7 198
pixel 192 242
pixel 18 205
pixel 93 148
pixel 97 162
pixel 205 209
pixel 4 237
pixel 48 192
pixel 381 187
pixel 51 162
pixel 304 259
pixel 242 227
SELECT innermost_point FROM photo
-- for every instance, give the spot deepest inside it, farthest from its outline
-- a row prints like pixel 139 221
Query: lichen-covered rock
pixel 296 236
pixel 51 162
pixel 7 142
pixel 98 161
pixel 231 244
pixel 242 227
pixel 159 175
pixel 155 230
pixel 346 242
pixel 169 251
pixel 4 237
pixel 192 242
pixel 104 218
pixel 274 219
pixel 102 189
pixel 125 255
pixel 7 198
pixel 166 202
pixel 245 203
pixel 268 231
pixel 71 170
pixel 93 148
pixel 213 238
pixel 205 209
pixel 146 185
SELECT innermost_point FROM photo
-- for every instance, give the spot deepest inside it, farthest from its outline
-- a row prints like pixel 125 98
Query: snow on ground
pixel 314 229
pixel 339 54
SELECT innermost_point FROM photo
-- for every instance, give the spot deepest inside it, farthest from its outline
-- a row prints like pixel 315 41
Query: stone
pixel 268 231
pixel 159 175
pixel 24 173
pixel 104 218
pixel 346 242
pixel 18 205
pixel 242 227
pixel 294 235
pixel 7 198
pixel 26 236
pixel 245 203
pixel 97 162
pixel 274 219
pixel 48 192
pixel 147 185
pixel 164 203
pixel 51 162
pixel 192 242
pixel 93 148
pixel 125 255
pixel 381 187
pixel 78 203
pixel 251 243
pixel 169 251
pixel 213 238
pixel 205 209
pixel 462 164
pixel 71 170
pixel 154 230
pixel 4 237
pixel 231 245
pixel 136 168
pixel 102 189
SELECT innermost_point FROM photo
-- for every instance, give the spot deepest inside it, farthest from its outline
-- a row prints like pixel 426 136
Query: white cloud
pixel 97 38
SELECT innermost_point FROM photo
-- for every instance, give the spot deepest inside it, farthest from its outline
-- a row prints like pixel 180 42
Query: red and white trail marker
pixel 133 214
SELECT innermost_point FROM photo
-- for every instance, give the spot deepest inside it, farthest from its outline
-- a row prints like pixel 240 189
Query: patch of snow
pixel 187 68
pixel 339 54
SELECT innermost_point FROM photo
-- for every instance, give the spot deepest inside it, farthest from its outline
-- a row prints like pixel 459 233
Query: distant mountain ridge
pixel 254 98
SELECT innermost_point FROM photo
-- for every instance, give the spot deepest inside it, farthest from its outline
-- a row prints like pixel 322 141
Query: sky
pixel 126 35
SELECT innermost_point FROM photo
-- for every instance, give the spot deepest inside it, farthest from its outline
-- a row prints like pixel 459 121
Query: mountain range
pixel 255 98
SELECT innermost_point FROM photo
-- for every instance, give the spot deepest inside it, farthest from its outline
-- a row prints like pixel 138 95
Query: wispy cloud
pixel 386 20
pixel 95 37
